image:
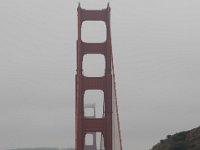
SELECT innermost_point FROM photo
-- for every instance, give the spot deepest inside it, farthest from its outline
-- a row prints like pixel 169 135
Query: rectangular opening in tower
pixel 96 98
pixel 94 141
pixel 93 31
pixel 93 65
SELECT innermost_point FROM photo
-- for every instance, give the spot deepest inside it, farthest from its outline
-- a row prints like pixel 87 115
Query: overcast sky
pixel 156 48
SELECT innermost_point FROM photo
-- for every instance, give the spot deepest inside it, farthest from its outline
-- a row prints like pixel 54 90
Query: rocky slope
pixel 187 140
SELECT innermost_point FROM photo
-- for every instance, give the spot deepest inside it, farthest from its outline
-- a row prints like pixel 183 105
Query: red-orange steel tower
pixel 93 144
pixel 86 125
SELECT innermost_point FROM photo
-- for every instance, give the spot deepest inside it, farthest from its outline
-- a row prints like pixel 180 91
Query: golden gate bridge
pixel 108 125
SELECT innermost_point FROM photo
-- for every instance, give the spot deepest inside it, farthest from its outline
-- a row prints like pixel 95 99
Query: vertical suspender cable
pixel 116 104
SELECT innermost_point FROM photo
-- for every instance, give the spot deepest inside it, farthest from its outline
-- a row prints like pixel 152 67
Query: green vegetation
pixel 187 140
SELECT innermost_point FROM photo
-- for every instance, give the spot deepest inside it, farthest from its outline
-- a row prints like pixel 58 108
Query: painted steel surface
pixel 108 125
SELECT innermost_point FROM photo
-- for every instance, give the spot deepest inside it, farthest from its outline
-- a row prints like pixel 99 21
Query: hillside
pixel 187 140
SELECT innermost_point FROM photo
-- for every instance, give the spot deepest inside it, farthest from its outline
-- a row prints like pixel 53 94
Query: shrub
pixel 179 146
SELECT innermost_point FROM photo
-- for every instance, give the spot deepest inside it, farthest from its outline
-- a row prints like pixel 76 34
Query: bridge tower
pixel 93 145
pixel 85 125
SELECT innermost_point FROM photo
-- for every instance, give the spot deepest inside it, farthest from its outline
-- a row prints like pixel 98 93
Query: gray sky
pixel 156 55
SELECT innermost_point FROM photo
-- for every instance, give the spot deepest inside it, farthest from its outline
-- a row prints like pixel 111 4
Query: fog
pixel 156 56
